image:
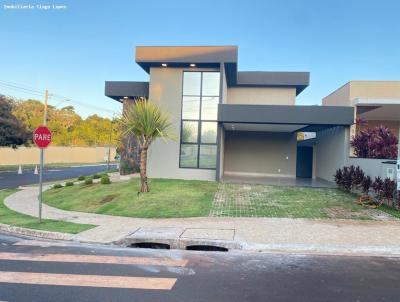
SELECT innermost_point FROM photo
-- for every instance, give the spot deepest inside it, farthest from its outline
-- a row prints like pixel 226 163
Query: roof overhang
pixel 118 90
pixel 183 56
pixel 298 80
pixel 284 117
pixel 378 109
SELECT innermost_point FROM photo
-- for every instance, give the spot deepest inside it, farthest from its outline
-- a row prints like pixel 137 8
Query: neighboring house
pixel 231 123
pixel 376 102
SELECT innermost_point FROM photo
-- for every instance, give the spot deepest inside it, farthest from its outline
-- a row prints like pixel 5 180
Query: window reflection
pixel 191 108
pixel 209 132
pixel 189 156
pixel 208 156
pixel 211 83
pixel 189 131
pixel 191 83
pixel 209 108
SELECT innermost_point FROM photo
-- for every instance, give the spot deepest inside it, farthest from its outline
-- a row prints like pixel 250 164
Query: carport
pixel 258 143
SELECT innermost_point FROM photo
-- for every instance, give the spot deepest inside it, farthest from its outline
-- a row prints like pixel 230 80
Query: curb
pixel 180 243
pixel 35 233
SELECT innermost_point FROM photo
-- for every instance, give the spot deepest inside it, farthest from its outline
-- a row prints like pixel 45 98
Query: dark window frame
pixel 200 120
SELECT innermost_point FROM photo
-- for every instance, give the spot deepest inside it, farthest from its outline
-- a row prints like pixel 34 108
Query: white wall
pixel 373 167
pixel 332 150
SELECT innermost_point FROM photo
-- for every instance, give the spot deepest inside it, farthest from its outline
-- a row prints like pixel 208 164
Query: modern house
pixel 234 124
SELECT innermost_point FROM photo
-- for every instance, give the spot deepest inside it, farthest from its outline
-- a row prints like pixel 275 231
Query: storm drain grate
pixel 151 245
pixel 207 248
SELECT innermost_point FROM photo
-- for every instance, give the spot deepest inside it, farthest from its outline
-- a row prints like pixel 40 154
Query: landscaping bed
pixel 13 218
pixel 167 198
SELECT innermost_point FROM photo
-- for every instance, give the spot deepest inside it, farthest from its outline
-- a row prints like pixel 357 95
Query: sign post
pixel 42 138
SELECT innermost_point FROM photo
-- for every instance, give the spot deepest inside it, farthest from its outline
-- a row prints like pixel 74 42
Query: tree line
pixel 19 118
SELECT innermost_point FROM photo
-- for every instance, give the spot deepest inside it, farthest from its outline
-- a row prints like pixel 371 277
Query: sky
pixel 72 51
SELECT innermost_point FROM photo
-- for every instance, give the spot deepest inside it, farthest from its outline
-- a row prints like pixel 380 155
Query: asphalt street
pixel 11 179
pixel 33 270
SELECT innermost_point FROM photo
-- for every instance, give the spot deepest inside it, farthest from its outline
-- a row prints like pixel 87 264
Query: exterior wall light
pixel 192 65
pixel 125 97
pixel 164 65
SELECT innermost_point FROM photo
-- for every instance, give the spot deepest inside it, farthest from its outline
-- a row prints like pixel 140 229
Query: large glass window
pixel 199 119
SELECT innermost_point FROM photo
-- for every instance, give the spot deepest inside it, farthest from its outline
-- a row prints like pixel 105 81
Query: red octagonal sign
pixel 42 136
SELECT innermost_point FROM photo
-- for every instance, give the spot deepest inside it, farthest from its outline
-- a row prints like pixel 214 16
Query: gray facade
pixel 228 122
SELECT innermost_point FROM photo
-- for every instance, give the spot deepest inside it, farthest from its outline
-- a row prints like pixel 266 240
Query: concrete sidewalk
pixel 266 234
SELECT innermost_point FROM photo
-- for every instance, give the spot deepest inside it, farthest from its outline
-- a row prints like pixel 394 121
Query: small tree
pixel 147 122
pixel 378 142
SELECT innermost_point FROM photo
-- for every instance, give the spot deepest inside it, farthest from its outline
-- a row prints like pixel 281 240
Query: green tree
pixel 147 122
pixel 67 127
pixel 12 131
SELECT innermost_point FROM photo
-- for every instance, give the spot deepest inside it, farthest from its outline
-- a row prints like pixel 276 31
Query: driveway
pixel 11 179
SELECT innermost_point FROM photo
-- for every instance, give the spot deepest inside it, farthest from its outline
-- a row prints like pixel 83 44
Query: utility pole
pixel 109 145
pixel 46 96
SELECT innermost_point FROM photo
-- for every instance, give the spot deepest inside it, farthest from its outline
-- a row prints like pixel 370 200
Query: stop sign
pixel 42 136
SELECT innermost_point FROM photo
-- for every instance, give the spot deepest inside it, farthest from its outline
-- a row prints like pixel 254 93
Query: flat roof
pixel 214 56
pixel 118 90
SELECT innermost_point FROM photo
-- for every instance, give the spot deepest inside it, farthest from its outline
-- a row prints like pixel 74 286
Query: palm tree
pixel 147 122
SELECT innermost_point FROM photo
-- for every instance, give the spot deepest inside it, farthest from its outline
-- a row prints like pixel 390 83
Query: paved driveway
pixel 254 200
pixel 14 180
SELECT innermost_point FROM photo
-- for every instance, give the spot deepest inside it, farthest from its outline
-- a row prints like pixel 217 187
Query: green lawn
pixel 10 217
pixel 168 198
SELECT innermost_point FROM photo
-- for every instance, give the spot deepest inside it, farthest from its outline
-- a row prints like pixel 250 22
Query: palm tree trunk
pixel 144 186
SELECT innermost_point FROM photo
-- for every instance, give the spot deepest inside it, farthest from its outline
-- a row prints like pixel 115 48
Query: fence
pixel 54 154
pixel 383 168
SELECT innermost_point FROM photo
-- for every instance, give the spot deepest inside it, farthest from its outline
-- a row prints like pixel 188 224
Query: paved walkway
pixel 331 236
pixel 254 200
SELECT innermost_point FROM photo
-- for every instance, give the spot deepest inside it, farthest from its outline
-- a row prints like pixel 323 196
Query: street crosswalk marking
pixel 87 280
pixel 99 259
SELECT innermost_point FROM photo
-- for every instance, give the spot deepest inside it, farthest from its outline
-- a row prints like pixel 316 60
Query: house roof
pixel 214 56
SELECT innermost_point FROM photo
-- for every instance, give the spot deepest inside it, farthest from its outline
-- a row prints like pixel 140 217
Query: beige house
pixel 377 102
pixel 234 124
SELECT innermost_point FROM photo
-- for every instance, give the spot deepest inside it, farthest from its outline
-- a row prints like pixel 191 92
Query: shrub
pixel 339 178
pixel 347 178
pixel 388 190
pixel 358 177
pixel 81 177
pixel 377 186
pixel 378 142
pixel 69 184
pixel 105 180
pixel 57 186
pixel 96 176
pixel 366 184
pixel 88 181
